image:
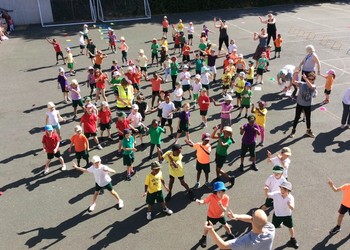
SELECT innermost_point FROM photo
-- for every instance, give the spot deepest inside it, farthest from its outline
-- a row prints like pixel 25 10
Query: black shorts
pixel 83 154
pixel 222 220
pixel 177 46
pixel 198 72
pixel 135 86
pixel 246 147
pixel 59 54
pixel 159 113
pixel 51 155
pixel 259 71
pixel 143 69
pixel 153 197
pixel 109 187
pixel 120 137
pixel 286 220
pixel 97 66
pixel 204 167
pixel 164 120
pixel 185 58
pixel 225 87
pixel 82 46
pixel 250 81
pixel 88 135
pixel 180 178
pixel 206 86
pixel 154 55
pixel 183 127
pixel 343 209
pixel 155 93
pixel 238 95
pixel 239 71
pixel 140 130
pixel 104 126
pixel 190 36
pixel 186 87
pixel 278 49
pixel 128 159
pixel 177 104
pixel 75 103
pixel 203 112
pixel 327 92
pixel 220 160
pixel 165 29
pixel 268 202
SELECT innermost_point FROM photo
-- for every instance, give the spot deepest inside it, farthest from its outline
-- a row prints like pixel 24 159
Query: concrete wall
pixel 27 11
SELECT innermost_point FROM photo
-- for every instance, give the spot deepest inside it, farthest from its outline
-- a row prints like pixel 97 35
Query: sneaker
pixel 232 180
pixel 101 192
pixel 64 167
pixel 120 204
pixel 46 171
pixel 254 167
pixel 203 241
pixel 191 195
pixel 99 146
pixel 92 207
pixel 128 178
pixel 335 230
pixel 342 126
pixel 292 134
pixel 149 216
pixel 197 185
pixel 167 211
pixel 309 133
pixel 208 185
pixel 241 168
pixel 168 197
pixel 205 125
pixel 293 243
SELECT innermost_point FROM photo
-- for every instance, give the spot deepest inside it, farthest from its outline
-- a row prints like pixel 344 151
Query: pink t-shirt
pixel 225 107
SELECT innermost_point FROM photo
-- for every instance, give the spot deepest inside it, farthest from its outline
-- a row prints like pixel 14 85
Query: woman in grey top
pixel 308 64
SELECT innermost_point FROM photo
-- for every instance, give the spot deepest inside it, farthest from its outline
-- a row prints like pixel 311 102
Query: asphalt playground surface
pixel 42 212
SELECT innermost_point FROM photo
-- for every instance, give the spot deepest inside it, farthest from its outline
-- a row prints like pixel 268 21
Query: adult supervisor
pixel 125 96
pixel 271 27
pixel 223 35
pixel 260 237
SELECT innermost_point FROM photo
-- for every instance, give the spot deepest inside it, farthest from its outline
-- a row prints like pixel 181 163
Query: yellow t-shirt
pixel 260 118
pixel 154 182
pixel 177 171
pixel 251 73
pixel 226 79
pixel 240 85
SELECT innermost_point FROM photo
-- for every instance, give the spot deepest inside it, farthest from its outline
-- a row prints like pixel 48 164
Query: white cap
pixel 77 128
pixel 61 70
pixel 165 17
pixel 68 49
pixel 95 159
pixel 90 67
pixel 130 68
pixel 185 67
pixel 141 51
pixel 104 104
pixel 240 55
pixel 242 74
pixel 122 38
pixel 228 98
pixel 135 106
pixel 197 76
pixel 116 73
pixel 230 61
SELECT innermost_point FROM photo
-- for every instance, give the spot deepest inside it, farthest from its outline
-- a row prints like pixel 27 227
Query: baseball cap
pixel 95 159
pixel 50 105
pixel 135 106
pixel 126 131
pixel 206 137
pixel 77 128
pixel 277 169
pixel 176 147
pixel 48 128
pixel 286 151
pixel 155 165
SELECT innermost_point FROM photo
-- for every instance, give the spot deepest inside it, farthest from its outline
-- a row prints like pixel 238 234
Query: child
pixel 185 77
pixel 199 64
pixel 87 102
pixel 82 43
pixel 168 109
pixel 206 77
pixel 51 145
pixel 163 56
pixel 203 103
pixel 174 70
pixel 260 114
pixel 91 81
pixel 224 141
pixel 177 41
pixel 112 39
pixel 156 87
pixel 240 64
pixel 105 119
pixel 128 145
pixel 272 184
pixel 70 61
pixel 76 97
pixel 63 83
pixel 250 72
pixel 174 159
pixel 196 88
pixel 167 68
pixel 240 85
pixel 53 118
pixel 329 84
pixel 283 202
pixel 226 109
pixel 226 83
pixel 262 65
pixel 86 31
pixel 203 150
pixel 165 25
pixel 114 68
pixel 153 189
pixel 121 124
pixel 143 106
pixel 218 202
pixel 161 99
pixel 143 61
pixel 344 206
pixel 102 179
pixel 124 49
pixel 89 119
pixel 135 119
pixel 246 100
pixel 282 159
pixel 186 50
pixel 184 122
pixel 81 145
pixel 155 132
pixel 278 45
pixel 232 46
pixel 154 49
pixel 99 57
pixel 178 94
pixel 190 31
pixel 101 79
pixel 268 52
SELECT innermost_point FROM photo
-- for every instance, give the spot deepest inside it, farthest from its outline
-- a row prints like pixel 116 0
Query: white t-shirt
pixel 280 204
pixel 190 29
pixel 143 61
pixel 231 47
pixel 178 92
pixel 273 183
pixel 185 78
pixel 196 87
pixel 81 40
pixel 276 161
pixel 205 78
pixel 101 177
pixel 166 109
pixel 136 119
pixel 53 117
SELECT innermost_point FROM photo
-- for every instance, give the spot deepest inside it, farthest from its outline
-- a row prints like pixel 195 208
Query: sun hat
pixel 250 62
pixel 206 137
pixel 165 17
pixel 286 151
pixel 219 186
pixel 91 68
pixel 176 147
pixel 242 74
pixel 121 114
pixel 330 72
pixel 89 106
pixel 50 105
pixel 48 127
pixel 122 38
pixel 135 106
pixel 185 67
pixel 141 51
pixel 131 62
pixel 104 104
pixel 95 159
pixel 227 129
pixel 228 98
pixel 230 61
pixel 286 185
pixel 61 70
pixel 87 99
pixel 155 165
pixel 277 169
pixel 198 76
pixel 283 72
pixel 116 73
pixel 77 128
pixel 240 55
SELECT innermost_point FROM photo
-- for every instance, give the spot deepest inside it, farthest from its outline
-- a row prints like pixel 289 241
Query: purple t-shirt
pixel 249 136
pixel 63 82
pixel 184 116
pixel 225 107
pixel 74 95
pixel 212 60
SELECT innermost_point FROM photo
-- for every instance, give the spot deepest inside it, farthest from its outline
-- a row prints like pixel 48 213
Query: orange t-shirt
pixel 346 196
pixel 214 210
pixel 203 152
pixel 329 82
pixel 80 142
pixel 278 42
pixel 98 59
pixel 165 24
pixel 186 50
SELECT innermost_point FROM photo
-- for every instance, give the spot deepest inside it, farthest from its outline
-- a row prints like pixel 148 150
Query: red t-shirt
pixel 186 50
pixel 121 125
pixel 156 84
pixel 165 24
pixel 89 122
pixel 131 77
pixel 50 142
pixel 203 106
pixel 57 47
pixel 101 82
pixel 105 116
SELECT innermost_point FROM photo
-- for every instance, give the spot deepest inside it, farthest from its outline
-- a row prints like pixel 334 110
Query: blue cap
pixel 219 186
pixel 48 128
pixel 248 84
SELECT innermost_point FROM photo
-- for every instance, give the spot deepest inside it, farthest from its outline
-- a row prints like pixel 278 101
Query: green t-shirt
pixel 155 48
pixel 155 134
pixel 128 144
pixel 199 64
pixel 262 62
pixel 115 82
pixel 246 96
pixel 220 150
pixel 174 67
pixel 202 46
